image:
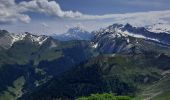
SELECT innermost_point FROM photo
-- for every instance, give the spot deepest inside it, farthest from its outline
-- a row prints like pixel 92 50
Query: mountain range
pixel 119 59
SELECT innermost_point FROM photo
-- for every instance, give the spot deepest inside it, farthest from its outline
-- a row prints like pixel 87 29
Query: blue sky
pixel 57 16
pixel 114 6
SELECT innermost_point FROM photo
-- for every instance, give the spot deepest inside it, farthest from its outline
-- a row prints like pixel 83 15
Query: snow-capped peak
pixel 124 31
pixel 40 39
pixel 159 28
pixel 119 38
pixel 8 39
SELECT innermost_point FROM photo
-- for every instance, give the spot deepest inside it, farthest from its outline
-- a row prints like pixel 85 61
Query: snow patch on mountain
pixel 16 37
pixel 39 39
pixel 126 33
pixel 95 45
pixel 53 44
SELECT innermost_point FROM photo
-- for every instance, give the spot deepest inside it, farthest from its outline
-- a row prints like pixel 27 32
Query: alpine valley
pixel 122 60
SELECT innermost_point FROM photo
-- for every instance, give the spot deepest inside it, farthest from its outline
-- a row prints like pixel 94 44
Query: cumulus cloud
pixel 11 12
pixel 48 7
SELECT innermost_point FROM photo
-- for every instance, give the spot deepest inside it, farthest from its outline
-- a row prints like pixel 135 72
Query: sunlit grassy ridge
pixel 104 97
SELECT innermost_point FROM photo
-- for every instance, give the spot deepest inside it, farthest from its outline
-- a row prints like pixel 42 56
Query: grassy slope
pixel 104 96
pixel 14 91
pixel 159 90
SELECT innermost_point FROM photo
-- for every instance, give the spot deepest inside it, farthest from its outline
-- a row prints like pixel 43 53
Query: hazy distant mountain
pixel 75 33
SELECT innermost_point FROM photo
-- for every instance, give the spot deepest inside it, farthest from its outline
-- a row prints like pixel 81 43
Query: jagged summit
pixel 8 39
pixel 117 37
pixel 137 32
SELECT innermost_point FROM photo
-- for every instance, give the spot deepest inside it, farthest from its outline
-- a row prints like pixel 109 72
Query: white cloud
pixel 48 7
pixel 12 12
pixel 139 18
pixel 9 12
